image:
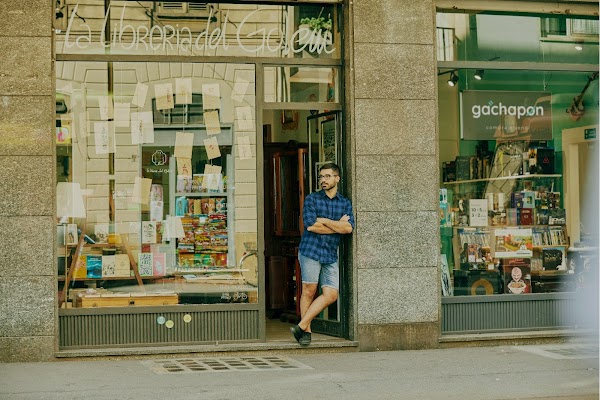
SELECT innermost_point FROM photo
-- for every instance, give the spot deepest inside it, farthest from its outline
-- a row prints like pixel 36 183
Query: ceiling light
pixel 453 79
pixel 478 74
pixel 578 46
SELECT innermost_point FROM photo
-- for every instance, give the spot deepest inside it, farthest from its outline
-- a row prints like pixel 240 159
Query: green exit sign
pixel 590 133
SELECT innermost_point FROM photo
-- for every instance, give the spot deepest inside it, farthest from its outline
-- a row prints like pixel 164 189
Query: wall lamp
pixel 479 74
pixel 453 79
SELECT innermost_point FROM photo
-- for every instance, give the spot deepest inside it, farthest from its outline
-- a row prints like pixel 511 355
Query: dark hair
pixel 332 166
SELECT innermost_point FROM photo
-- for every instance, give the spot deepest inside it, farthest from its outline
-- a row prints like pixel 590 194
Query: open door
pixel 324 145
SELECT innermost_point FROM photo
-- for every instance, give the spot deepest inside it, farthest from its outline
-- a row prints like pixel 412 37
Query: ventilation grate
pixel 224 364
pixel 563 351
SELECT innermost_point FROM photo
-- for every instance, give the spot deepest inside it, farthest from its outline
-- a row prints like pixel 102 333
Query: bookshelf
pixel 504 178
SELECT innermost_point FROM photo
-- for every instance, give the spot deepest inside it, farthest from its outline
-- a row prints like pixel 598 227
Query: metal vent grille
pixel 468 315
pixel 222 364
pixel 81 331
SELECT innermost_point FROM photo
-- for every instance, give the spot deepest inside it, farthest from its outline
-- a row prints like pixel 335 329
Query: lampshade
pixel 69 200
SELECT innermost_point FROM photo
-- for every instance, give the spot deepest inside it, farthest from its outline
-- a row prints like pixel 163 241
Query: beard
pixel 328 186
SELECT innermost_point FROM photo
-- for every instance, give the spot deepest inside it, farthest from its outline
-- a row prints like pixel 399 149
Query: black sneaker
pixel 305 339
pixel 297 332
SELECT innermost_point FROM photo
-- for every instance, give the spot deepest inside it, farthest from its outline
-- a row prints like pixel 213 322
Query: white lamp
pixel 69 200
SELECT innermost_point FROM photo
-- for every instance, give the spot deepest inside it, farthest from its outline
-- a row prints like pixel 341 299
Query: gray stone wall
pixel 27 268
pixel 393 107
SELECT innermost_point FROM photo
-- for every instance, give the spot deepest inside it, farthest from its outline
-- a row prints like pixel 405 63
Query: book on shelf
pixel 94 266
pixel 145 266
pixel 108 266
pixel 80 268
pixel 122 267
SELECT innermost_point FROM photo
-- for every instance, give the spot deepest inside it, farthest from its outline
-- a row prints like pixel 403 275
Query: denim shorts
pixel 313 271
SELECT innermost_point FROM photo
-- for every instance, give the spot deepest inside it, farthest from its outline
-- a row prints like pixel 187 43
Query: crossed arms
pixel 325 226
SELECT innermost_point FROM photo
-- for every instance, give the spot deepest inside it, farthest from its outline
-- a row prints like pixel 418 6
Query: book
pixel 463 170
pixel 159 264
pixel 184 184
pixel 526 216
pixel 148 232
pixel 101 233
pixel 145 266
pixel 517 276
pixel 94 266
pixel 513 242
pixel 108 266
pixel 122 267
pixel 71 234
pixel 528 199
pixel 80 268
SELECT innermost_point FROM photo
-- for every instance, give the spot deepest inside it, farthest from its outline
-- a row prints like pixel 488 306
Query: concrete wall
pixel 27 206
pixel 393 114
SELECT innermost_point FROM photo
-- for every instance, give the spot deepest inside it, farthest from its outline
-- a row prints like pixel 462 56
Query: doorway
pixel 295 144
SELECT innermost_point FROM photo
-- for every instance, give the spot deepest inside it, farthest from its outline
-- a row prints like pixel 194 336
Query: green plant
pixel 318 23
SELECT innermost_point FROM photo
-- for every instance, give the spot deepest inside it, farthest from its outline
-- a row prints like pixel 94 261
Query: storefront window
pixel 156 194
pixel 484 37
pixel 197 29
pixel 516 153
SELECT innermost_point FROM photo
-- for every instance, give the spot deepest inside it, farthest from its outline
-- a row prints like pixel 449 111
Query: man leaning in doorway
pixel 327 215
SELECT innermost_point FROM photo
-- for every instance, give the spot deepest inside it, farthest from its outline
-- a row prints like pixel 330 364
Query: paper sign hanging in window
pixel 212 148
pixel 211 96
pixel 184 167
pixel 104 137
pixel 183 91
pixel 244 149
pixel 122 115
pixel 106 107
pixel 141 190
pixel 139 97
pixel 240 88
pixel 478 212
pixel 184 142
pixel 211 120
pixel 244 118
pixel 142 127
pixel 164 96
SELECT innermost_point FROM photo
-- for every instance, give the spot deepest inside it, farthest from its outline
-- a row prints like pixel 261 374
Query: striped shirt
pixel 323 248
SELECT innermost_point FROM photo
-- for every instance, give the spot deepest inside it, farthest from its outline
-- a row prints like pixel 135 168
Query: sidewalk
pixel 484 373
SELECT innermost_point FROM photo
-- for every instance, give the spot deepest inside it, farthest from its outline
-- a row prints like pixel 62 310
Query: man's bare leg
pixel 308 295
pixel 329 296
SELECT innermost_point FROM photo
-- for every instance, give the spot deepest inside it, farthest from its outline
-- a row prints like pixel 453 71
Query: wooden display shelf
pixel 193 271
pixel 62 278
pixel 201 194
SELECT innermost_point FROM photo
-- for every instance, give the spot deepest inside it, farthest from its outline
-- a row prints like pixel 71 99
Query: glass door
pixel 324 146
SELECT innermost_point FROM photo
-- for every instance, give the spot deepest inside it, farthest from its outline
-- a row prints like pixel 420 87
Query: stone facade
pixel 395 174
pixel 391 172
pixel 28 315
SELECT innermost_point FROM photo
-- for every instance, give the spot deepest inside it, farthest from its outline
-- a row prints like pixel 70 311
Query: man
pixel 326 215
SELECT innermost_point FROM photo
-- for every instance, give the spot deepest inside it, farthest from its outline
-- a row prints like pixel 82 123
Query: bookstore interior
pixel 519 168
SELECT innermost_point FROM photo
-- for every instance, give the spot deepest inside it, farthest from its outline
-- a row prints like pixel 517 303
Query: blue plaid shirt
pixel 320 247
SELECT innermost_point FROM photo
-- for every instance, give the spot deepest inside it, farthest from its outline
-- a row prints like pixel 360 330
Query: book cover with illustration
pixel 94 266
pixel 108 266
pixel 145 266
pixel 513 242
pixel 80 268
pixel 517 276
pixel 148 232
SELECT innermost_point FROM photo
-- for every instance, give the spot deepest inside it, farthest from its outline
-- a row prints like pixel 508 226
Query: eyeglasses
pixel 326 177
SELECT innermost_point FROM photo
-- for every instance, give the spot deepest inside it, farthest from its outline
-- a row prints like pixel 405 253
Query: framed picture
pixel 71 236
pixel 329 143
pixel 447 289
